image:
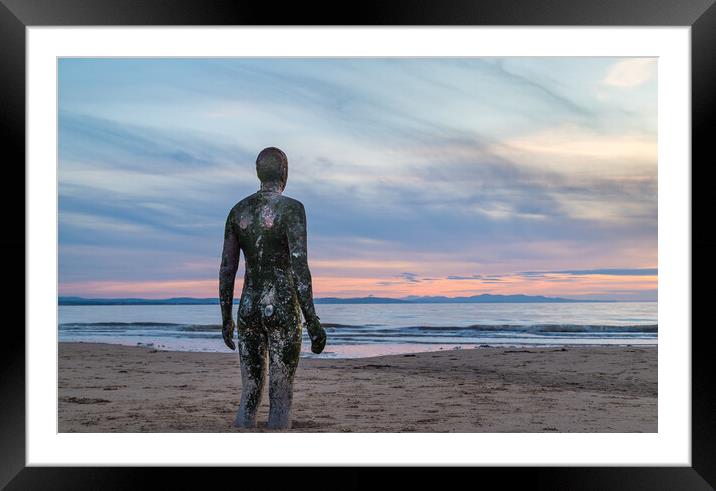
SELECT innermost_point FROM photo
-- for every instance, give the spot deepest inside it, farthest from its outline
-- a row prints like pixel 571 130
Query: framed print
pixel 482 256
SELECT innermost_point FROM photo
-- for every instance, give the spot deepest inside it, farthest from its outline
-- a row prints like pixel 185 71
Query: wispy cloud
pixel 413 172
pixel 631 72
pixel 606 272
pixel 409 277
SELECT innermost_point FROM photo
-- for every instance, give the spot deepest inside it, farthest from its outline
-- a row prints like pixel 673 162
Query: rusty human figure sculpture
pixel 270 229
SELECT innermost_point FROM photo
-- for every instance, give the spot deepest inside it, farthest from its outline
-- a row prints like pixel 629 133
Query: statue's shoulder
pixel 245 203
pixel 291 203
pixel 239 208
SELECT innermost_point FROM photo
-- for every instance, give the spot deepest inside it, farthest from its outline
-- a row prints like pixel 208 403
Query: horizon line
pixel 405 297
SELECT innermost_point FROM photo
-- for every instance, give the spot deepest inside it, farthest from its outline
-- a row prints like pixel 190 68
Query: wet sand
pixel 112 388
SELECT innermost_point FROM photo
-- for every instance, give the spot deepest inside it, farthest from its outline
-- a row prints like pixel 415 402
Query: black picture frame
pixel 16 15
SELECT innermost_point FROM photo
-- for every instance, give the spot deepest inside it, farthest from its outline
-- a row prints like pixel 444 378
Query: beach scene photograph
pixel 349 245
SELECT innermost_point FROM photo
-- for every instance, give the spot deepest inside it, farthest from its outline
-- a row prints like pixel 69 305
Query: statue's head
pixel 272 167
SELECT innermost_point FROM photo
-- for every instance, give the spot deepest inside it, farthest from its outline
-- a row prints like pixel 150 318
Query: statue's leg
pixel 284 351
pixel 252 355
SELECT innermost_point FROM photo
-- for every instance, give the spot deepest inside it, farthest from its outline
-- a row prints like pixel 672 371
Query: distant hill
pixel 488 298
pixel 484 298
pixel 355 300
pixel 137 301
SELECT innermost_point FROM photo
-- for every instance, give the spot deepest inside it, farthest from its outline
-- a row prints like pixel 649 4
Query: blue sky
pixel 419 176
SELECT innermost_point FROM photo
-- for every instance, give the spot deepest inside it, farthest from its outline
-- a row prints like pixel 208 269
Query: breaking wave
pixel 376 328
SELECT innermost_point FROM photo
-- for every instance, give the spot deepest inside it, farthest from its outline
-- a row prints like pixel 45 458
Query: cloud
pixel 543 90
pixel 631 72
pixel 477 181
pixel 409 277
pixel 569 149
pixel 607 272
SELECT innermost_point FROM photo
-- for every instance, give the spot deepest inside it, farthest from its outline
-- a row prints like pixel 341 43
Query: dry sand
pixel 112 388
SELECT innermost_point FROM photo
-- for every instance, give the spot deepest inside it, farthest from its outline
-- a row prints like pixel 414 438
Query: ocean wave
pixel 170 326
pixel 137 326
pixel 117 324
pixel 517 328
pixel 537 328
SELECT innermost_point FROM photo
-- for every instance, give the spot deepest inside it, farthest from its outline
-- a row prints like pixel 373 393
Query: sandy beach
pixel 112 388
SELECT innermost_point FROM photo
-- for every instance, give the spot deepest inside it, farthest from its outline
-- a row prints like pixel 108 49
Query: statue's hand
pixel 317 335
pixel 228 333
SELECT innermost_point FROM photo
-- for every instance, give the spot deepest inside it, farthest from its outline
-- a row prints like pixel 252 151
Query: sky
pixel 420 176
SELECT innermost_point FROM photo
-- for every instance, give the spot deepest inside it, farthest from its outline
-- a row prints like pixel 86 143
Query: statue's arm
pixel 227 271
pixel 297 244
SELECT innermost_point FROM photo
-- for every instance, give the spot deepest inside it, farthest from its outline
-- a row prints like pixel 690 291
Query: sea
pixel 363 330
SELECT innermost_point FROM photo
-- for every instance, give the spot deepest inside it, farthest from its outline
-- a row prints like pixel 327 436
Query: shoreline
pixel 360 351
pixel 118 388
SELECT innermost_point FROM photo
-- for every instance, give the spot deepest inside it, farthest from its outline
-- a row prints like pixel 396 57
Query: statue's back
pixel 261 223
